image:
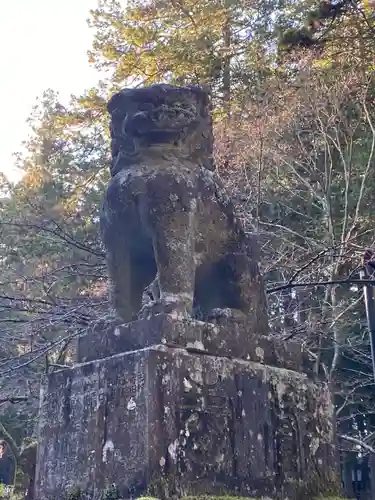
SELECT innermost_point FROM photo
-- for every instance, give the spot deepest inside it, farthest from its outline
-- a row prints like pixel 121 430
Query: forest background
pixel 294 117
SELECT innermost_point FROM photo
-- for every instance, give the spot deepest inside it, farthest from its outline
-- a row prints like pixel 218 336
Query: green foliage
pixel 342 30
pixel 183 42
pixel 74 493
pixel 204 497
pixel 111 493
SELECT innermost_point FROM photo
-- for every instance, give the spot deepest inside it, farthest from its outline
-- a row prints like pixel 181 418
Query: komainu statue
pixel 173 242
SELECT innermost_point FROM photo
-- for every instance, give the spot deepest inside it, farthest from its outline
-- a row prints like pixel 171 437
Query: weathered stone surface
pixel 179 423
pixel 165 403
pixel 172 239
pixel 235 340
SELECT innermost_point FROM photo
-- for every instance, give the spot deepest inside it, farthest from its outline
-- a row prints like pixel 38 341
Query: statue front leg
pixel 120 292
pixel 173 242
pixel 247 295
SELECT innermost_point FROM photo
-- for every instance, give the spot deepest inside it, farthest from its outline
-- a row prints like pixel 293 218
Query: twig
pixel 311 261
pixel 41 354
pixel 359 442
pixel 320 283
pixel 13 399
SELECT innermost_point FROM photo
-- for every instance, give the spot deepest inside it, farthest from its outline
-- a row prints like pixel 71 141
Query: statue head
pixel 158 115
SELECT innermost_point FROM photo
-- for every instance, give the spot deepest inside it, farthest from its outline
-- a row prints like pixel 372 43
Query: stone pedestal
pixel 172 422
pixel 229 339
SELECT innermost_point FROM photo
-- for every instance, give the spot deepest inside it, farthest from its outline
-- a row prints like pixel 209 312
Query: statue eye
pixel 130 146
pixel 146 107
pixel 124 123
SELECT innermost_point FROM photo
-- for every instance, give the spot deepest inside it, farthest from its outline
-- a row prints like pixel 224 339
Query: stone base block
pixel 229 340
pixel 169 422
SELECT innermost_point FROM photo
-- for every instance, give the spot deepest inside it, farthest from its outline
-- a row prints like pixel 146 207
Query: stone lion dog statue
pixel 172 239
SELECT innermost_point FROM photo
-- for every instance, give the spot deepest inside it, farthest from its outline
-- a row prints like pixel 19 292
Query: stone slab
pixel 229 340
pixel 170 422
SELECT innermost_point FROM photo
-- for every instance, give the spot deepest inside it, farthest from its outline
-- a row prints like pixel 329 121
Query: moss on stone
pixel 236 498
pixel 330 498
pixel 204 497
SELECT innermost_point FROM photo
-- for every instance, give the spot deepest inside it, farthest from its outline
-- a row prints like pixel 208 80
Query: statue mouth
pixel 162 123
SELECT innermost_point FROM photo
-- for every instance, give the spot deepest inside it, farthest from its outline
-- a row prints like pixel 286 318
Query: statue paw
pixel 166 305
pixel 108 321
pixel 221 316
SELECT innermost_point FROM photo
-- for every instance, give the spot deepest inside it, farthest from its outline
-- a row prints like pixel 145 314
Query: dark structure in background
pixel 366 272
pixel 358 468
pixel 7 466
